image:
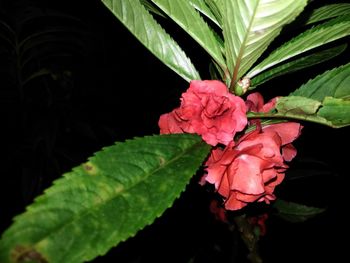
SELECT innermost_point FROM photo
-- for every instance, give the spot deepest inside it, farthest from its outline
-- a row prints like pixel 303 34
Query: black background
pixel 117 90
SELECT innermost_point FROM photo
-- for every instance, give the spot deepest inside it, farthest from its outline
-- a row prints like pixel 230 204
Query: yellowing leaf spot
pixel 90 168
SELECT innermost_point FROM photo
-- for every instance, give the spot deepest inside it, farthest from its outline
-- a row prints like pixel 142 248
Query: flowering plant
pixel 242 144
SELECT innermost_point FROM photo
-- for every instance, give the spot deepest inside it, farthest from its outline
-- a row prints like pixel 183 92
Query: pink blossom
pixel 208 109
pixel 250 170
pixel 255 103
pixel 288 131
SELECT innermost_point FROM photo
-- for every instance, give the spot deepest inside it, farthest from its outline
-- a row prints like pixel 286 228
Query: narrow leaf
pixel 215 7
pixel 317 36
pixel 294 212
pixel 143 26
pixel 328 11
pixel 201 7
pixel 250 26
pixel 116 193
pixel 297 64
pixel 332 83
pixel 186 16
pixel 151 8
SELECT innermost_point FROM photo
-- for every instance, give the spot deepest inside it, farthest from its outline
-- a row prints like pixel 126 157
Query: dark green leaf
pixel 100 203
pixel 298 64
pixel 332 83
pixel 328 11
pixel 294 212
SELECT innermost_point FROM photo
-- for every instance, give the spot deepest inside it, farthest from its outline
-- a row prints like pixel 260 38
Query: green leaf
pixel 332 83
pixel 201 7
pixel 250 26
pixel 336 111
pixel 151 8
pixel 142 25
pixel 186 16
pixel 317 36
pixel 297 64
pixel 327 12
pixel 324 100
pixel 100 203
pixel 215 7
pixel 297 105
pixel 294 212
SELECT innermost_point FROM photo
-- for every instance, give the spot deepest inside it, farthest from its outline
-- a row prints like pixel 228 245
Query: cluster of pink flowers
pixel 244 168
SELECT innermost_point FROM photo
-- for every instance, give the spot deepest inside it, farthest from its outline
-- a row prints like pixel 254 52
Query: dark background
pixel 104 87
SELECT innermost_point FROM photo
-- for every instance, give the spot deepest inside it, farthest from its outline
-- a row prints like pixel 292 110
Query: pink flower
pixel 250 170
pixel 255 103
pixel 208 109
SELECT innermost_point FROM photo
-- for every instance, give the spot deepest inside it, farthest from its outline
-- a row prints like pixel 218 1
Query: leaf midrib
pixel 242 49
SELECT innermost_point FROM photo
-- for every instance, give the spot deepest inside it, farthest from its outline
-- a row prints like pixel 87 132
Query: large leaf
pixel 250 26
pixel 317 36
pixel 328 11
pixel 186 16
pixel 297 64
pixel 104 201
pixel 143 26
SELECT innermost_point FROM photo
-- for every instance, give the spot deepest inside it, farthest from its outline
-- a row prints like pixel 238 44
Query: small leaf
pixel 317 36
pixel 328 11
pixel 294 212
pixel 336 111
pixel 186 16
pixel 297 105
pixel 250 26
pixel 332 83
pixel 297 64
pixel 108 199
pixel 142 25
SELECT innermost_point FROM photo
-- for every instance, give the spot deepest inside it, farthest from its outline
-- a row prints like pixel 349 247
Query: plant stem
pixel 249 238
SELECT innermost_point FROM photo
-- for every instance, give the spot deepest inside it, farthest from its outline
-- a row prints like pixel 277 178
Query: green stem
pixel 249 238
